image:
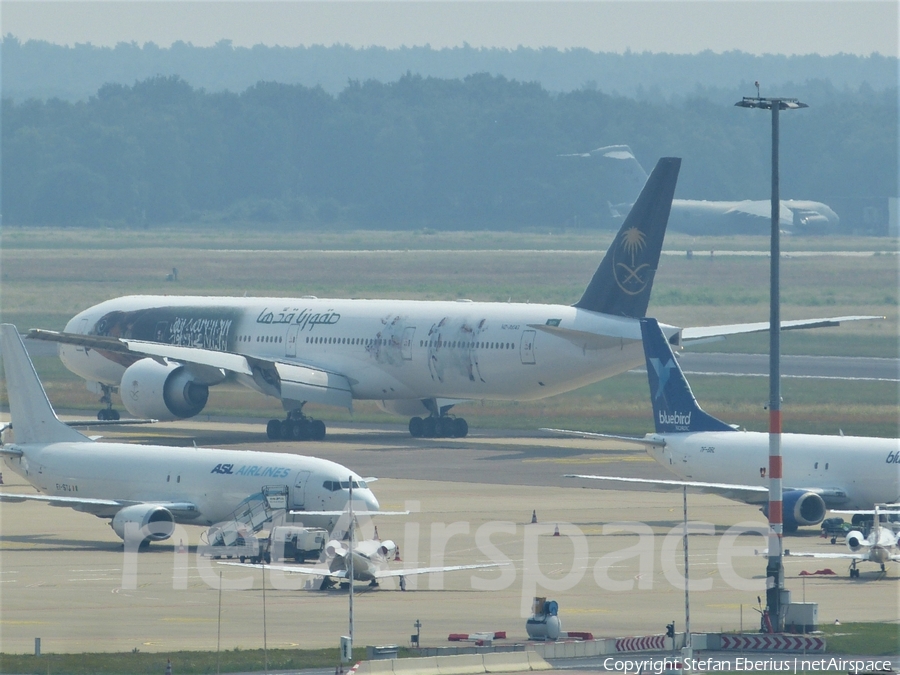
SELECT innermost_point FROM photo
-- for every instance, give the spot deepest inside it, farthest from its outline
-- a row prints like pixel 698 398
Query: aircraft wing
pixel 383 574
pixel 807 554
pixel 708 333
pixel 345 512
pixel 751 494
pixel 294 381
pixel 90 505
pixel 293 569
pixel 646 441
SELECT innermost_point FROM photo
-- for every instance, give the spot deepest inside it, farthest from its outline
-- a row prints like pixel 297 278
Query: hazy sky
pixel 758 26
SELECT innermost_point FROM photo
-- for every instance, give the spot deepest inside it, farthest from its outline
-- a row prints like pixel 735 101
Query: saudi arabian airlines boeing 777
pixel 707 455
pixel 414 358
pixel 145 489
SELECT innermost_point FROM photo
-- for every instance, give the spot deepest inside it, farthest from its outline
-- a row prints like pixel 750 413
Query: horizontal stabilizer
pixel 689 335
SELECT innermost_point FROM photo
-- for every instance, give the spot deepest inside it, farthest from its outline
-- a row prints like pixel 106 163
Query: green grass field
pixel 48 275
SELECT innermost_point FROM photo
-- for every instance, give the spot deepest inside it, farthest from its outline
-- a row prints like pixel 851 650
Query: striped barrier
pixel 641 644
pixel 776 642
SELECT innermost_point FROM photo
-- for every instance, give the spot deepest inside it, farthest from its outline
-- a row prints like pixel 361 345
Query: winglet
pixel 32 415
pixel 674 407
pixel 622 283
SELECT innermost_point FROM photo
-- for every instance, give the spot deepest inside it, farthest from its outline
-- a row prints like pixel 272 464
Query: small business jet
pixel 370 563
pixel 365 560
pixel 707 455
pixel 882 545
pixel 145 489
pixel 414 358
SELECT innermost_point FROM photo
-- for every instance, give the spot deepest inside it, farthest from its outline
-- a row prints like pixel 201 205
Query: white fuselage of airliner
pixel 866 470
pixel 388 349
pixel 216 482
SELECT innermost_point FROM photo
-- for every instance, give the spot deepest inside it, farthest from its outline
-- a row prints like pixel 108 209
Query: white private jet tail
pixel 33 418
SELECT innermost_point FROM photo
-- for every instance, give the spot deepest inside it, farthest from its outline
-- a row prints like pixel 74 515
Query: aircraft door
pixel 406 345
pixel 81 330
pixel 300 490
pixel 290 343
pixel 527 347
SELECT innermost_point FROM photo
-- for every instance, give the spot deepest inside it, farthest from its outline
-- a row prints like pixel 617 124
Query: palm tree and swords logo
pixel 632 278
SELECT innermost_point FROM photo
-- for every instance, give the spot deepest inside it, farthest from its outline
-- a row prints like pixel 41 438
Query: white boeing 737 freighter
pixel 145 489
pixel 707 455
pixel 415 358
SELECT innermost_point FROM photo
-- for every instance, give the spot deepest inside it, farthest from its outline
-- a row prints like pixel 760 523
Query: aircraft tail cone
pixel 556 531
pixel 534 516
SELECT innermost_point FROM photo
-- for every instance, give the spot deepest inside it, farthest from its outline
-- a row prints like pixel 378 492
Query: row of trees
pixel 44 70
pixel 482 151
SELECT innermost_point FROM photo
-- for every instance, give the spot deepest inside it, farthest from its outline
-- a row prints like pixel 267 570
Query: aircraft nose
pixel 370 501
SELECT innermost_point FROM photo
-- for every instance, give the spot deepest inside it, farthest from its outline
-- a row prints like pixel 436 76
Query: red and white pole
pixel 775 567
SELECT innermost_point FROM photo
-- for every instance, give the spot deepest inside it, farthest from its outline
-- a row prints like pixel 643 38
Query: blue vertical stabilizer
pixel 622 283
pixel 674 407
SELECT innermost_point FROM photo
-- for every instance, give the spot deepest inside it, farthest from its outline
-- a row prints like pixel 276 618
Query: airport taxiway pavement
pixel 61 572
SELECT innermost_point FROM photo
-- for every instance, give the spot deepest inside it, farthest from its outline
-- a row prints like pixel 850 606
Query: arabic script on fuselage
pixel 306 319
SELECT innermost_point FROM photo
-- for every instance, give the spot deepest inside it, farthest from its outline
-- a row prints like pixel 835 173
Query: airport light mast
pixel 775 566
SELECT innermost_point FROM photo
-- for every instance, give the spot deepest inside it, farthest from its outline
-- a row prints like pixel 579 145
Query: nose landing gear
pixel 107 413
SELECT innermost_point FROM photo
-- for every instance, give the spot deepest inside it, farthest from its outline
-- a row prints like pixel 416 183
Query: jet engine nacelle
pixel 855 541
pixel 334 548
pixel 802 508
pixel 143 522
pixel 387 548
pixel 164 392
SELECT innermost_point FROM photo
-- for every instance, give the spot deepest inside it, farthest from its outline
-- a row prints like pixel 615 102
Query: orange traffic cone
pixel 556 531
pixel 397 555
pixel 377 538
pixel 534 516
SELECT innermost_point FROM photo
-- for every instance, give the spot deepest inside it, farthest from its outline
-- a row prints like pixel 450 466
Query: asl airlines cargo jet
pixel 145 489
pixel 415 358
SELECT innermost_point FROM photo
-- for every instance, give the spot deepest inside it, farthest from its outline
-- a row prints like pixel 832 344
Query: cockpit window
pixel 361 484
pixel 345 485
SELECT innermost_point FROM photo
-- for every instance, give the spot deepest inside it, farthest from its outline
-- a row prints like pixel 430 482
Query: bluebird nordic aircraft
pixel 414 358
pixel 145 489
pixel 707 455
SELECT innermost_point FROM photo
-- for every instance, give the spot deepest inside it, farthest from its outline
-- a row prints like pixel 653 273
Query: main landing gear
pixel 438 427
pixel 107 413
pixel 297 427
